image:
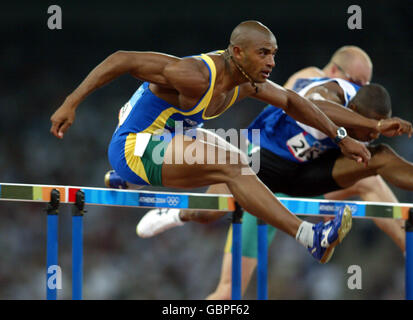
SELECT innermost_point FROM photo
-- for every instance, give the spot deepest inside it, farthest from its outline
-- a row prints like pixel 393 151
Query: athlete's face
pixel 358 72
pixel 258 58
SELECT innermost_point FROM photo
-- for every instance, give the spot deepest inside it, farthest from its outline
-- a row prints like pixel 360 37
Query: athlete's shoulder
pixel 310 72
pixel 345 86
pixel 189 75
pixel 335 89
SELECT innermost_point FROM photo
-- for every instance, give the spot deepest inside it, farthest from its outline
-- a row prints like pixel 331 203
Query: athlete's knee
pixel 236 164
pixel 382 154
pixel 367 185
pixel 382 150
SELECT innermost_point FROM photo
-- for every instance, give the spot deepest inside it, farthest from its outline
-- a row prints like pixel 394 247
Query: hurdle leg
pixel 52 244
pixel 236 278
pixel 409 256
pixel 77 245
pixel 262 260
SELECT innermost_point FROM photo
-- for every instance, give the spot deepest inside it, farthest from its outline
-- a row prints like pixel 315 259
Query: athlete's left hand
pixel 355 150
pixel 394 127
pixel 63 118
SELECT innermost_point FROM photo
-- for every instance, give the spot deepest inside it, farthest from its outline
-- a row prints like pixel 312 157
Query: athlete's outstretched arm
pixel 345 117
pixel 303 110
pixel 183 75
pixel 328 99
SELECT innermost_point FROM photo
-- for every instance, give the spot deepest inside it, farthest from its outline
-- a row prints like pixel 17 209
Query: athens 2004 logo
pixel 172 201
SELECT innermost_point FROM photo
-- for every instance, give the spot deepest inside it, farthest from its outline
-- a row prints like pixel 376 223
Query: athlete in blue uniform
pixel 199 89
pixel 292 140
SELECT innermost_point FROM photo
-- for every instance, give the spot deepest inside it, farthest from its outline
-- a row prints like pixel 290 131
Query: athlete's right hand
pixel 63 118
pixel 394 127
pixel 355 150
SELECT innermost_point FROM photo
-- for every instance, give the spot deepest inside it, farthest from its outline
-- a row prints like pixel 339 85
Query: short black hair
pixel 373 98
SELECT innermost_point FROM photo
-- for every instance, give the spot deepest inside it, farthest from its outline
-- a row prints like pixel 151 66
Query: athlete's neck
pixel 237 75
pixel 327 71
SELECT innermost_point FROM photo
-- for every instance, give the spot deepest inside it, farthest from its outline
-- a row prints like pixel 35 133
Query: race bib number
pixel 302 150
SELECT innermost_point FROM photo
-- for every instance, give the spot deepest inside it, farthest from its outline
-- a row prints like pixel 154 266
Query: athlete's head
pixel 371 101
pixel 253 47
pixel 350 63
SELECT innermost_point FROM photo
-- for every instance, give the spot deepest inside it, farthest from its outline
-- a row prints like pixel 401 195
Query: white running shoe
pixel 157 221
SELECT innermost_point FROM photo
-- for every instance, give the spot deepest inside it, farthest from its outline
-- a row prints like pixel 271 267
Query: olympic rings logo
pixel 172 201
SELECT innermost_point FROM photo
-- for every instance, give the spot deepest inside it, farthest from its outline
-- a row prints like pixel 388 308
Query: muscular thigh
pixel 347 172
pixel 201 160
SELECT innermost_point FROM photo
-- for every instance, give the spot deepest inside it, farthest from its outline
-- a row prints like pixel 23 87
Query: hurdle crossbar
pixel 360 209
pixel 194 201
pixel 198 201
pixel 118 197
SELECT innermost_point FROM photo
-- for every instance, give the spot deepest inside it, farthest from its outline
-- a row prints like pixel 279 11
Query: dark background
pixel 40 67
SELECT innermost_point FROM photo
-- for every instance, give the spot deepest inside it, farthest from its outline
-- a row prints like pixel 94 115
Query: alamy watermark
pixel 354 281
pixel 55 20
pixel 354 21
pixel 54 277
pixel 200 146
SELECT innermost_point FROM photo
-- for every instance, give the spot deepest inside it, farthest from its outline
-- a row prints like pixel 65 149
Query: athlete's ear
pixel 333 69
pixel 352 107
pixel 236 52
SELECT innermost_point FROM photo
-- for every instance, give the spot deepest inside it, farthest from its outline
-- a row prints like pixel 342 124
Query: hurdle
pixel 262 260
pixel 236 266
pixel 320 207
pixel 262 257
pixel 79 197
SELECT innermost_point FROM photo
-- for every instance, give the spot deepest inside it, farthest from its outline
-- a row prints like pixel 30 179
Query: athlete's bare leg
pixel 206 216
pixel 375 189
pixel 384 162
pixel 247 189
pixel 224 288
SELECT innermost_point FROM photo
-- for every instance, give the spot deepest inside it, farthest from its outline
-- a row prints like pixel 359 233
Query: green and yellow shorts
pixel 138 157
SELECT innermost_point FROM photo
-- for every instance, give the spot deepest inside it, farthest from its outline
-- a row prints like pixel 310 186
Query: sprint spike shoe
pixel 157 221
pixel 113 180
pixel 327 235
